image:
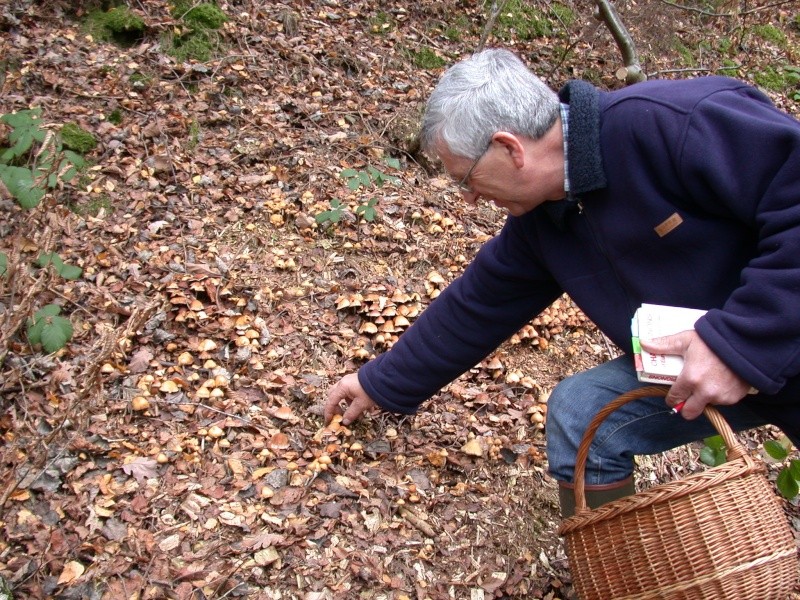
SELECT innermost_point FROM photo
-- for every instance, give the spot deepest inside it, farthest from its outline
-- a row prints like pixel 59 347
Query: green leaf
pixel 22 118
pixel 711 456
pixel 22 142
pixel 49 329
pixel 51 310
pixel 70 272
pixel 787 485
pixel 367 211
pixel 66 271
pixel 3 263
pixel 394 163
pixel 363 177
pixel 35 331
pixel 50 258
pixel 715 442
pixel 56 333
pixel 775 450
pixel 76 160
pixel 348 173
pixel 354 183
pixel 794 468
pixel 326 216
pixel 21 185
pixel 707 456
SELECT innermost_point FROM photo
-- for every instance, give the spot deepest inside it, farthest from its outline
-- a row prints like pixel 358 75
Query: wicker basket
pixel 721 533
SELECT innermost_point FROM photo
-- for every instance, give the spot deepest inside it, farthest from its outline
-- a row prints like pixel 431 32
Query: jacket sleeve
pixel 498 293
pixel 746 155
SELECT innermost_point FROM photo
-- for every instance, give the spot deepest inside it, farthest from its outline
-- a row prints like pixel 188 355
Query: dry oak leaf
pixel 141 469
pixel 472 448
pixel 266 556
pixel 140 361
pixel 169 543
pixel 263 539
pixel 72 570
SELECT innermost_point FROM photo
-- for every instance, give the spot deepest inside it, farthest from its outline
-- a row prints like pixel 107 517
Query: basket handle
pixel 735 449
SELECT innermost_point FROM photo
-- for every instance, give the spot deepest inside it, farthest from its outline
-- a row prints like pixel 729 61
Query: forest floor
pixel 174 448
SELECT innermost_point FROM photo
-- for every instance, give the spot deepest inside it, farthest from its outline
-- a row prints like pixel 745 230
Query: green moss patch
pixel 200 39
pixel 78 139
pixel 119 25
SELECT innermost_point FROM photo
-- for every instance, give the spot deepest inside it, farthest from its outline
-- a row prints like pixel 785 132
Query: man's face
pixel 497 176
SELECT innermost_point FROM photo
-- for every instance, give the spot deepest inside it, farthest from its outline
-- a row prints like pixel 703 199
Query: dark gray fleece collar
pixel 583 139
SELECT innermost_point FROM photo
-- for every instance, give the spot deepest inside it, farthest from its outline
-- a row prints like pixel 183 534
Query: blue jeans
pixel 644 426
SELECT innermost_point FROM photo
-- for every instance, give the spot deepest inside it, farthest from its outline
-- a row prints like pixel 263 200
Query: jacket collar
pixel 585 161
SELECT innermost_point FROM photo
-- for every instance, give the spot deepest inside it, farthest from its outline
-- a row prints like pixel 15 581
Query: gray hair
pixel 488 92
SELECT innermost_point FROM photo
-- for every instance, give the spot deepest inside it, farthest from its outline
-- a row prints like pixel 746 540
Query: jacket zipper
pixel 601 248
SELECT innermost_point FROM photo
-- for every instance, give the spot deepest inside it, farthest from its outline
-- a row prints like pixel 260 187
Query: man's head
pixel 486 120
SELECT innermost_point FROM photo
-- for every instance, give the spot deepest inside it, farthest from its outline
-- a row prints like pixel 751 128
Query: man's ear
pixel 512 145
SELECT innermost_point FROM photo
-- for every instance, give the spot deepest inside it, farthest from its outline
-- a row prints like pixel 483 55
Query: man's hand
pixel 349 390
pixel 705 379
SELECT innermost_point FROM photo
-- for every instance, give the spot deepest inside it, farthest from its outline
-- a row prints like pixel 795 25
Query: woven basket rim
pixel 692 484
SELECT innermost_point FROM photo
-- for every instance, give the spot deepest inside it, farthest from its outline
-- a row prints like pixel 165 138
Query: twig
pixel 416 521
pixel 708 13
pixel 487 29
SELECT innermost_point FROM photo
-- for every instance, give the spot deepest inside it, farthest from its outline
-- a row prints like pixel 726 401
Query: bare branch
pixel 632 72
pixel 487 29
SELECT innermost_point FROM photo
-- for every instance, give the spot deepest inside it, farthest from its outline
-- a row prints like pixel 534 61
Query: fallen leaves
pixel 72 571
pixel 141 469
pixel 201 466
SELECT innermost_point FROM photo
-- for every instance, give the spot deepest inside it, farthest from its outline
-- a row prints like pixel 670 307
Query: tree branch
pixel 632 71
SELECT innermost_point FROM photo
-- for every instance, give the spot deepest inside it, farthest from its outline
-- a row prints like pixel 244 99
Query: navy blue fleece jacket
pixel 712 157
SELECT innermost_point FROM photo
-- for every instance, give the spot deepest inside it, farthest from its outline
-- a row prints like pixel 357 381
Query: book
pixel 655 320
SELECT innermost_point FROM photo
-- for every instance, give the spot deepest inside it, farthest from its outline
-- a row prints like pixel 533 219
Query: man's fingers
pixel 669 344
pixel 333 403
pixel 357 408
pixel 348 391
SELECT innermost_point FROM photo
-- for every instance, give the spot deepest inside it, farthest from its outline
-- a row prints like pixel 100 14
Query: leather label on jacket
pixel 668 225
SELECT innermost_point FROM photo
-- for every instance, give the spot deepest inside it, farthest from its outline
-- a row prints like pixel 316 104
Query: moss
pixel 769 78
pixel 93 206
pixel 730 68
pixel 687 57
pixel 200 45
pixel 785 79
pixel 770 33
pixel 425 58
pixel 563 13
pixel 201 42
pixel 523 21
pixel 115 117
pixel 455 31
pixel 726 46
pixel 381 23
pixel 140 80
pixel 78 139
pixel 119 25
pixel 202 16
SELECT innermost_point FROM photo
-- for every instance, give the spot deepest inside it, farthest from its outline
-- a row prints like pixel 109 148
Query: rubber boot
pixel 596 495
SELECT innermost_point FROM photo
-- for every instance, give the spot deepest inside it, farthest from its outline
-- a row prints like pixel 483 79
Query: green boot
pixel 596 495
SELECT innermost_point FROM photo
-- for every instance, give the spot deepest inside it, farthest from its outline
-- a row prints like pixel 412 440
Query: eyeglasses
pixel 463 185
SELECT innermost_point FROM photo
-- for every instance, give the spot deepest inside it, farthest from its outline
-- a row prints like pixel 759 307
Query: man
pixel 683 193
